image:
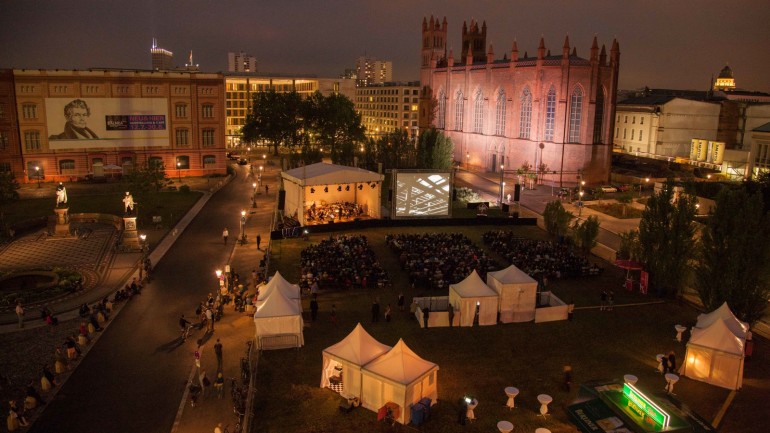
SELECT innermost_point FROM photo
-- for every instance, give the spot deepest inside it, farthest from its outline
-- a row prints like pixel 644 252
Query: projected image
pixel 422 194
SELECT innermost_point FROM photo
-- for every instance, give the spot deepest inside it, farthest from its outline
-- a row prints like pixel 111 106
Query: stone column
pixel 130 240
pixel 62 228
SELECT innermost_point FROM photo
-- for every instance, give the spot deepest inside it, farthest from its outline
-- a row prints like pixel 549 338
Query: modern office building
pixel 162 59
pixel 241 62
pixel 388 107
pixel 555 112
pixel 64 125
pixel 370 71
pixel 241 87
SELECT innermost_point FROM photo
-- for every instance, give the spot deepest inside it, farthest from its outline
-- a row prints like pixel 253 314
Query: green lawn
pixel 482 361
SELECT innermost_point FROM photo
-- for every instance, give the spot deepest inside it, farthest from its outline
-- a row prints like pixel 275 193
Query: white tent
pixel 401 377
pixel 278 283
pixel 715 355
pixel 278 322
pixel 723 313
pixel 470 293
pixel 323 182
pixel 518 294
pixel 345 359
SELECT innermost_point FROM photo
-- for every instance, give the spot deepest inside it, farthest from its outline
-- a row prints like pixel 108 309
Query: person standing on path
pixel 259 240
pixel 225 234
pixel 209 320
pixel 610 300
pixel 218 352
pixel 267 189
pixel 314 308
pixel 603 300
pixel 387 313
pixel 400 302
pixel 20 314
pixel 451 313
pixel 425 316
pixel 375 310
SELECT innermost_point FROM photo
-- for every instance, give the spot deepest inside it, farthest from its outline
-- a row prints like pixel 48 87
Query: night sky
pixel 664 43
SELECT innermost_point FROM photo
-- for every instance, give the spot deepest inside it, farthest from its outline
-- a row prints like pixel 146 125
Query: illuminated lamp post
pixel 468 161
pixel 143 246
pixel 179 171
pixel 502 183
pixel 37 173
pixel 254 195
pixel 580 204
pixel 243 227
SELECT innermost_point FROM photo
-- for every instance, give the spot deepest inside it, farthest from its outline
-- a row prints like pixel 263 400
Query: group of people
pixel 344 262
pixel 337 211
pixel 17 413
pixel 436 260
pixel 540 258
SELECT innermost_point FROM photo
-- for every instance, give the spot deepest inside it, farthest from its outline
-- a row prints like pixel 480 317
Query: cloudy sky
pixel 664 43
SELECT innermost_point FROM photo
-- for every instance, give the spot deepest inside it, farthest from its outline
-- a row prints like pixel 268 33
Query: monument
pixel 130 239
pixel 62 227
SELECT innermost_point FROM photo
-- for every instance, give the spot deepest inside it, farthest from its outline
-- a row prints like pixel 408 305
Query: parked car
pixel 608 188
pixel 624 187
pixel 242 161
pixel 233 156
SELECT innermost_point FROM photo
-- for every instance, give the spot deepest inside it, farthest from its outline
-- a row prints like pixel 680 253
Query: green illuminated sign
pixel 646 405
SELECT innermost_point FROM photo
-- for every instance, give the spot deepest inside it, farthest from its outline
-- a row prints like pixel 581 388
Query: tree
pixel 147 178
pixel 666 233
pixel 556 218
pixel 586 233
pixel 734 255
pixel 629 246
pixel 434 150
pixel 8 193
pixel 277 118
pixel 761 184
pixel 335 122
pixel 396 150
pixel 625 198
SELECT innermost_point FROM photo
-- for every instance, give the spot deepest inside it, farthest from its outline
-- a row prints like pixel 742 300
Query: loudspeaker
pixel 506 207
pixel 281 199
pixel 454 194
pixel 390 195
pixel 516 192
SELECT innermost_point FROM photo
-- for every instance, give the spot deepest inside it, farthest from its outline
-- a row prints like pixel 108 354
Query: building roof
pixel 322 173
pixel 763 128
pixel 726 72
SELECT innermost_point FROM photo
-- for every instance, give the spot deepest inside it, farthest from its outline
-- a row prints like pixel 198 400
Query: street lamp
pixel 254 195
pixel 37 172
pixel 142 245
pixel 179 171
pixel 646 181
pixel 503 189
pixel 260 173
pixel 243 227
pixel 580 204
pixel 502 184
pixel 468 161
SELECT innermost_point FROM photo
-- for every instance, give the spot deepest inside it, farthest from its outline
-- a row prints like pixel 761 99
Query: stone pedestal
pixel 62 227
pixel 130 239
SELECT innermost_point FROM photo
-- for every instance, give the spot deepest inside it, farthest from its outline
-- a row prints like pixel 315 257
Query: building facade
pixel 241 62
pixel 371 71
pixel 389 107
pixel 65 125
pixel 241 87
pixel 555 112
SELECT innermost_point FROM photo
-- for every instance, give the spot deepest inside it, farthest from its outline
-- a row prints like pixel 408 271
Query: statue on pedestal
pixel 128 202
pixel 61 195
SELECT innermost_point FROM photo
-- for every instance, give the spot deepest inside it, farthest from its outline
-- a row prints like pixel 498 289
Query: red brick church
pixel 555 112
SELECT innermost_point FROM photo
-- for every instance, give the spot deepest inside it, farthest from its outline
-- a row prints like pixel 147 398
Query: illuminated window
pixel 181 110
pixel 183 162
pixel 29 111
pixel 32 140
pixel 550 114
pixel 209 160
pixel 575 115
pixel 208 110
pixel 441 120
pixel 478 113
pixel 525 116
pixel 459 111
pixel 208 137
pixel 182 137
pixel 500 113
pixel 67 166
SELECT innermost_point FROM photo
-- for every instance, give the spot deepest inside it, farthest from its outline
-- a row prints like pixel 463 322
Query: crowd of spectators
pixel 337 211
pixel 436 260
pixel 540 258
pixel 344 262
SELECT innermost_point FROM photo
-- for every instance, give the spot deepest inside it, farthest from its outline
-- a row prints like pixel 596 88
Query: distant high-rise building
pixel 241 62
pixel 371 71
pixel 349 73
pixel 162 59
pixel 387 108
pixel 725 80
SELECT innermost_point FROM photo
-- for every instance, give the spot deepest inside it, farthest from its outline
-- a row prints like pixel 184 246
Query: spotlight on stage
pixel 360 187
pixel 347 187
pixel 312 190
pixel 326 189
pixel 339 188
pixel 372 185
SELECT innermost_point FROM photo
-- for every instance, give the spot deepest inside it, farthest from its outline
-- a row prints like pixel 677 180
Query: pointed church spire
pixel 490 54
pixel 565 48
pixel 594 50
pixel 541 48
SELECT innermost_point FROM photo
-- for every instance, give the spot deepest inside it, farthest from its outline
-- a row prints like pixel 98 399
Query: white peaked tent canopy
pixel 518 294
pixel 350 354
pixel 724 313
pixel 305 185
pixel 278 283
pixel 469 293
pixel 279 316
pixel 401 377
pixel 715 355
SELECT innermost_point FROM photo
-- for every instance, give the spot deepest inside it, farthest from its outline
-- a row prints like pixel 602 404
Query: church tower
pixel 476 40
pixel 725 80
pixel 433 41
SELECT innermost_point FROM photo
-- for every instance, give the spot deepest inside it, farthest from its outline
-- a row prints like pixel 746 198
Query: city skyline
pixel 674 45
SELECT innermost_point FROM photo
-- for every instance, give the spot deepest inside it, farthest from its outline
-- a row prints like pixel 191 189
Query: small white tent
pixel 715 355
pixel 343 361
pixel 470 293
pixel 724 313
pixel 401 377
pixel 278 283
pixel 278 323
pixel 330 183
pixel 518 294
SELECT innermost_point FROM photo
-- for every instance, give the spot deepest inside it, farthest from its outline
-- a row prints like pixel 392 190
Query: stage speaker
pixel 390 195
pixel 281 199
pixel 516 192
pixel 506 208
pixel 454 194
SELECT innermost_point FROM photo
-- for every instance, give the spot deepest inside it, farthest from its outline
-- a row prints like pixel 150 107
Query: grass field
pixel 482 361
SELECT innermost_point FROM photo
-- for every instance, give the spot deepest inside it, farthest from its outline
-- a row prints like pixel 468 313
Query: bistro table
pixel 544 400
pixel 542 430
pixel 469 413
pixel 511 392
pixel 505 426
pixel 630 379
pixel 671 379
pixel 659 357
pixel 679 330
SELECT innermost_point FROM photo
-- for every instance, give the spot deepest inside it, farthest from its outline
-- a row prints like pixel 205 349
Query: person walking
pixel 610 300
pixel 219 385
pixel 603 299
pixel 425 316
pixel 225 234
pixel 333 314
pixel 197 356
pixel 451 313
pixel 210 320
pixel 400 302
pixel 20 314
pixel 259 240
pixel 314 308
pixel 375 310
pixel 387 313
pixel 671 362
pixel 218 352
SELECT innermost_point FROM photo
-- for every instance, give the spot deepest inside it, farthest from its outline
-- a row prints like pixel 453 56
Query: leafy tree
pixel 335 122
pixel 8 193
pixel 434 150
pixel 585 233
pixel 629 246
pixel 761 184
pixel 396 150
pixel 147 178
pixel 277 118
pixel 734 256
pixel 556 218
pixel 666 238
pixel 625 198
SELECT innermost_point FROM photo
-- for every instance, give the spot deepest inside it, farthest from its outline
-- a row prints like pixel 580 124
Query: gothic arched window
pixel 459 111
pixel 525 119
pixel 550 114
pixel 478 113
pixel 441 120
pixel 575 114
pixel 500 113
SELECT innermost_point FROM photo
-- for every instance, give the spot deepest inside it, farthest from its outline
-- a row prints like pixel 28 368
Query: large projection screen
pixel 422 194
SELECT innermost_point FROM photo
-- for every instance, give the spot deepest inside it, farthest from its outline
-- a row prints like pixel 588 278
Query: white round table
pixel 505 426
pixel 671 379
pixel 544 400
pixel 511 392
pixel 469 413
pixel 679 330
pixel 659 357
pixel 542 430
pixel 630 379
